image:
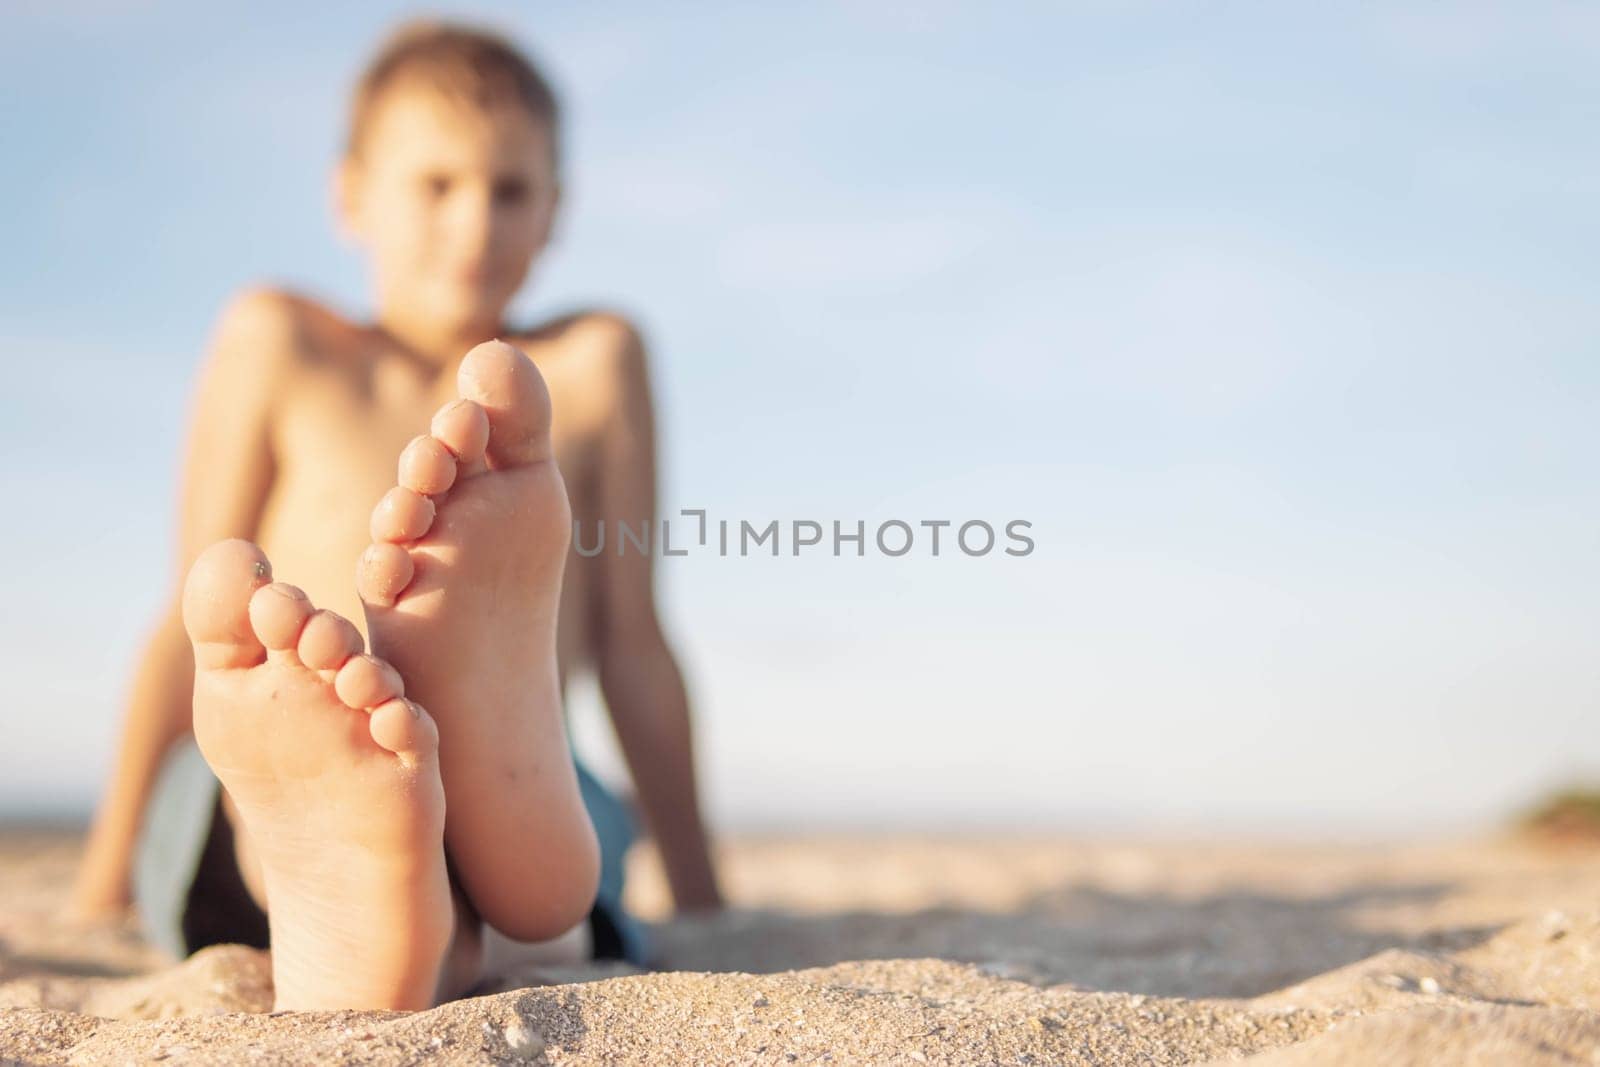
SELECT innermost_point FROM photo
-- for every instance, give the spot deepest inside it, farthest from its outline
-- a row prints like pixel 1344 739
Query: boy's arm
pixel 227 472
pixel 639 677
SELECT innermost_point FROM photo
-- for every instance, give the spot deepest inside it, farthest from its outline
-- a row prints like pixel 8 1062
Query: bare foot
pixel 336 778
pixel 461 587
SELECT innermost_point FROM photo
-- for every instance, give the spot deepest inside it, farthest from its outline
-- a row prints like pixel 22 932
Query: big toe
pixel 512 392
pixel 216 604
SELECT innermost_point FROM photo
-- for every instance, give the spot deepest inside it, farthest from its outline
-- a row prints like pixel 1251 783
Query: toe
pixel 404 728
pixel 402 515
pixel 327 640
pixel 216 604
pixel 383 574
pixel 277 614
pixel 463 428
pixel 513 394
pixel 367 681
pixel 427 466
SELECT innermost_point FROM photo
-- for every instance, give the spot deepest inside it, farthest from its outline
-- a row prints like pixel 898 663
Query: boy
pixel 449 181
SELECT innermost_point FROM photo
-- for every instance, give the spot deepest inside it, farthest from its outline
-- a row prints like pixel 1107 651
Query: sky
pixel 1276 323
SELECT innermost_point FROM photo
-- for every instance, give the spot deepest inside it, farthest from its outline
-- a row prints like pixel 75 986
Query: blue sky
pixel 1277 323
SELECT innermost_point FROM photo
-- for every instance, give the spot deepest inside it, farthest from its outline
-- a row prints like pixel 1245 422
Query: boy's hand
pixel 93 904
pixel 698 897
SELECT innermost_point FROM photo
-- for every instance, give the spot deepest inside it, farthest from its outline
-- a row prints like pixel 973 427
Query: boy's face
pixel 452 203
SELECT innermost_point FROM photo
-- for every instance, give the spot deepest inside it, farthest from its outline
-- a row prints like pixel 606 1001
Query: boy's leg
pixel 335 782
pixel 187 887
pixel 614 934
pixel 461 589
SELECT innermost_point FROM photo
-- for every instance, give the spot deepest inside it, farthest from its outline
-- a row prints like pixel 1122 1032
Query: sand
pixel 905 950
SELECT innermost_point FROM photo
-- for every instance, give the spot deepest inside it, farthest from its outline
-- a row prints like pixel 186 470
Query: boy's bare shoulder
pixel 280 329
pixel 259 316
pixel 603 349
pixel 587 332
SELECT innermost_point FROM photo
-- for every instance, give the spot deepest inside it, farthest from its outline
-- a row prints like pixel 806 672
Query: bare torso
pixel 352 401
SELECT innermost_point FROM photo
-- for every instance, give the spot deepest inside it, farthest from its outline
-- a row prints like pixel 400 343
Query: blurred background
pixel 1278 323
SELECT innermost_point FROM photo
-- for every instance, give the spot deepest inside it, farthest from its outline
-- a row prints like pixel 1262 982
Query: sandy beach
pixel 922 950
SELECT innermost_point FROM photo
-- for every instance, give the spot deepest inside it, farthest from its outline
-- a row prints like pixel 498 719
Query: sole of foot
pixel 461 587
pixel 334 776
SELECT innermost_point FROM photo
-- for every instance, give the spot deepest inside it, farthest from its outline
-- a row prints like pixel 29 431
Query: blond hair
pixel 473 65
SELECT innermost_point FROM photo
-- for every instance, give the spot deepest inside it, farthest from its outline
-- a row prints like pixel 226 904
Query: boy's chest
pixel 338 444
